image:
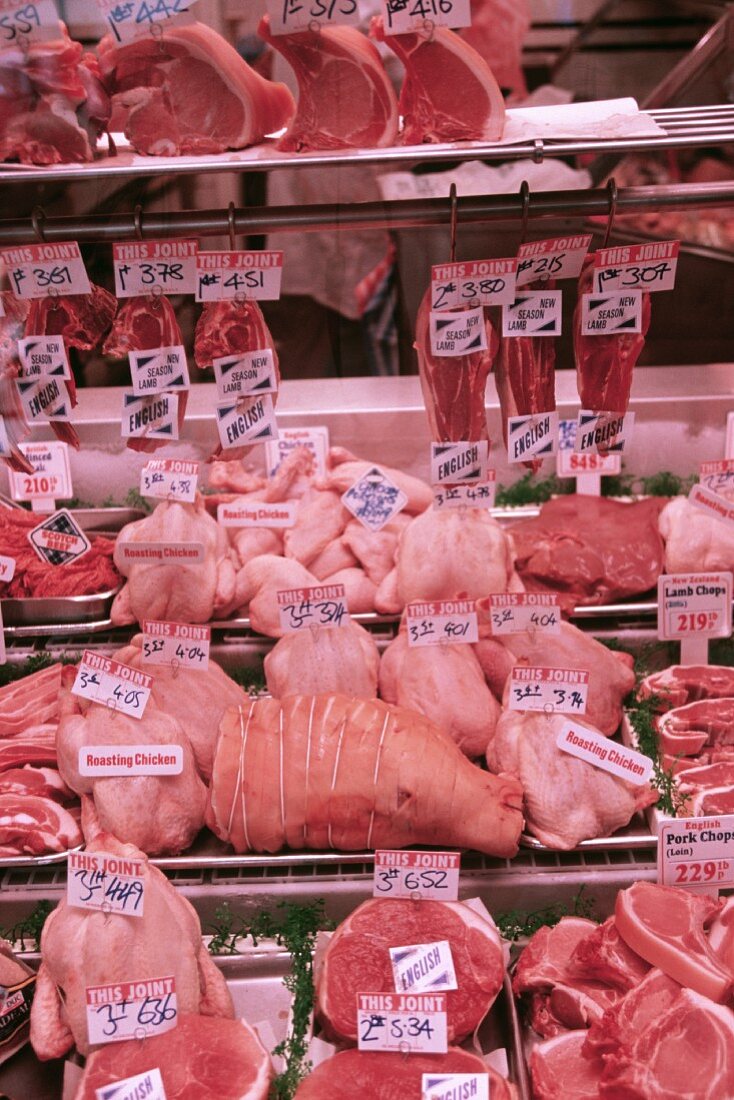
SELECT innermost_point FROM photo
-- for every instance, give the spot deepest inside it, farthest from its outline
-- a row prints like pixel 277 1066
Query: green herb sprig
pixel 517 924
pixel 27 932
pixel 642 714
pixel 532 490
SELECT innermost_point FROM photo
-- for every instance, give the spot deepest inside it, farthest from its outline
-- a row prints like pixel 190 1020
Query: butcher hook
pixel 454 200
pixel 38 220
pixel 525 199
pixel 613 196
pixel 230 224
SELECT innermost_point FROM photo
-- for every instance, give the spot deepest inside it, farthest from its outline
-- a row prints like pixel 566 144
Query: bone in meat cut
pixel 561 1071
pixel 345 98
pixel 525 374
pixel 190 92
pixel 678 685
pixel 35 825
pixel 449 92
pixel 695 726
pixel 327 771
pixel 453 386
pixel 12 329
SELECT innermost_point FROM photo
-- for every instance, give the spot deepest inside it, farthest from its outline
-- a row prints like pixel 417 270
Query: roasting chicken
pixel 321 518
pixel 695 542
pixel 263 578
pixel 344 468
pixel 340 659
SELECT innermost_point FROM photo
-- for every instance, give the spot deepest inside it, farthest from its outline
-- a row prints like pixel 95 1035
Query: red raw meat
pixel 12 329
pixel 453 387
pixel 575 1004
pixel 345 98
pixel 497 31
pixel 207 1057
pixel 93 572
pixel 380 1076
pixel 710 801
pixel 544 962
pixel 561 1071
pixel 604 956
pixel 525 374
pixel 36 825
pixel 357 960
pixel 689 729
pixel 721 933
pixel 633 1014
pixel 190 92
pixel 449 92
pixel 82 319
pixel 40 782
pixel 681 684
pixel 36 745
pixel 666 927
pixel 604 364
pixel 32 700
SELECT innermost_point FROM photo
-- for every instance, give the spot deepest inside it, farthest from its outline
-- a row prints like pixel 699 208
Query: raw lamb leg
pixel 12 329
pixel 526 380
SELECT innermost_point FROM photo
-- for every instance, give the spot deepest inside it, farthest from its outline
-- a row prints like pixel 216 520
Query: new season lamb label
pixel 130 1010
pixel 105 883
pixel 374 499
pixel 248 373
pixel 517 612
pixel 695 604
pixel 602 314
pixel 300 15
pixel 533 436
pixel 422 876
pixel 143 1086
pixel 442 621
pixel 118 686
pixel 44 270
pixel 248 420
pixel 323 605
pixel 533 313
pixel 603 753
pixel 697 854
pixel 647 267
pixel 467 496
pixel 154 416
pixel 713 504
pixel 603 431
pixel 45 399
pixel 410 15
pixel 455 1086
pixel 169 479
pixel 402 1022
pixel 452 463
pixel 51 477
pixel 553 690
pixel 148 267
pixel 179 645
pixel 43 357
pixel 556 258
pixel 423 968
pixel 239 275
pixel 58 540
pixel 476 282
pixel 261 513
pixel 159 369
pixel 462 332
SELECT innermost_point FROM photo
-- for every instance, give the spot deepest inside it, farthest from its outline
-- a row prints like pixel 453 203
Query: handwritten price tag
pixel 287 16
pixel 694 604
pixel 409 15
pixel 34 22
pixel 697 853
pixel 374 499
pixel 423 968
pixel 486 282
pixel 239 275
pixel 169 479
pixel 402 1022
pixel 323 605
pixel 422 876
pixel 176 644
pixel 105 883
pixel 442 621
pixel 440 1086
pixel 148 1084
pixel 563 690
pixel 468 496
pixel 118 686
pixel 556 258
pixel 718 477
pixel 40 270
pixel 130 1010
pixel 128 19
pixel 142 267
pixel 51 477
pixel 517 612
pixel 7 569
pixel 648 267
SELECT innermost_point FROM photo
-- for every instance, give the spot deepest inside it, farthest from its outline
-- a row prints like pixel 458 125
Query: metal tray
pixel 106 521
pixel 634 836
pixel 51 612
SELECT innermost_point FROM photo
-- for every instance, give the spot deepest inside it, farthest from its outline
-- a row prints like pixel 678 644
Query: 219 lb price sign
pixel 694 604
pixel 422 876
pixel 43 270
pixel 402 1022
pixel 300 15
pixel 147 267
pixel 697 853
pixel 409 15
pixel 239 275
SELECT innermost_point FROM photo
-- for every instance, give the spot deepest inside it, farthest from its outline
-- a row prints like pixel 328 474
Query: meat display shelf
pixel 62 611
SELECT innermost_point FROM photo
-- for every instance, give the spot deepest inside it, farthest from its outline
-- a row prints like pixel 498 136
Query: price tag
pixel 169 479
pixel 729 444
pixel 442 621
pixel 459 333
pixel 148 1084
pixel 553 690
pixel 374 499
pixel 603 753
pixel 51 477
pixel 697 853
pixel 423 968
pixel 452 463
pixel 533 436
pixel 717 476
pixel 694 604
pixel 321 605
pixel 608 430
pixel 159 369
pixel 557 258
pixel 146 267
pixel 486 282
pixel 422 876
pixel 120 687
pixel 409 15
pixel 25 23
pixel 7 569
pixel 315 439
pixel 287 16
pixel 468 496
pixel 239 275
pixel 129 19
pixel 130 1010
pixel 106 883
pixel 43 357
pixel 5 448
pixel 647 267
pixel 249 420
pixel 45 399
pixel 446 1086
pixel 517 612
pixel 40 270
pixel 154 416
pixel 569 463
pixel 59 539
pixel 107 761
pixel 715 506
pixel 260 513
pixel 606 313
pixel 533 313
pixel 402 1022
pixel 251 372
pixel 169 553
pixel 176 644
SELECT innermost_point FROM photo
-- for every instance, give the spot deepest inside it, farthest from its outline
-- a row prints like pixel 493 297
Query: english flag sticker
pixel 458 333
pixel 604 313
pixel 533 313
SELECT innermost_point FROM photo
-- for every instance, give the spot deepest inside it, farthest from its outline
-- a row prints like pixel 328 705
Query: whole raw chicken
pixel 83 948
pixel 695 542
pixel 340 659
pixel 175 591
pixel 263 578
pixel 343 469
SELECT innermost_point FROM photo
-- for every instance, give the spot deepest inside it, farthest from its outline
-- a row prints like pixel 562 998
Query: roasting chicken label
pixel 442 621
pixel 712 504
pixel 647 267
pixel 483 282
pixel 601 752
pixel 169 479
pixel 150 267
pixel 250 372
pixel 455 1086
pixel 459 333
pixel 7 569
pixel 532 436
pixel 105 883
pixel 43 357
pixel 600 432
pixel 116 685
pixel 402 1022
pixel 129 19
pixel 154 416
pixel 261 513
pixel 159 369
pixel 45 270
pixel 553 690
pixel 374 499
pixel 179 645
pixel 518 612
pixel 59 540
pixel 113 760
pixel 452 463
pixel 322 605
pixel 694 604
pixel 605 313
pixel 467 496
pixel 143 1086
pixel 426 876
pixel 410 15
pixel 239 275
pixel 533 313
pixel 423 968
pixel 171 553
pixel 697 854
pixel 131 1010
pixel 287 16
pixel 248 420
pixel 316 439
pixel 556 258
pixel 45 399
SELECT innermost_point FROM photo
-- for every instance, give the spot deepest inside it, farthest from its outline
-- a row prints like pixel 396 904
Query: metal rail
pixel 399 214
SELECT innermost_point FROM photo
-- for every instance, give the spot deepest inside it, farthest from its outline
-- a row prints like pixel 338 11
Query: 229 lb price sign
pixel 300 15
pixel 179 645
pixel 239 275
pixel 409 15
pixel 105 883
pixel 402 1022
pixel 147 267
pixel 116 685
pixel 694 604
pixel 131 1010
pixel 697 853
pixel 422 876
pixel 43 270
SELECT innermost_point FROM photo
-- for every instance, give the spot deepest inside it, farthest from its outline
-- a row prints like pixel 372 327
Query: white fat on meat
pixel 340 659
pixel 695 541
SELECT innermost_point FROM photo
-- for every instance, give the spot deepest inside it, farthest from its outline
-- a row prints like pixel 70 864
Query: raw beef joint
pixel 327 771
pixel 189 91
pixel 449 92
pixel 345 98
pixel 382 1076
pixel 357 960
pixel 525 374
pixel 93 572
